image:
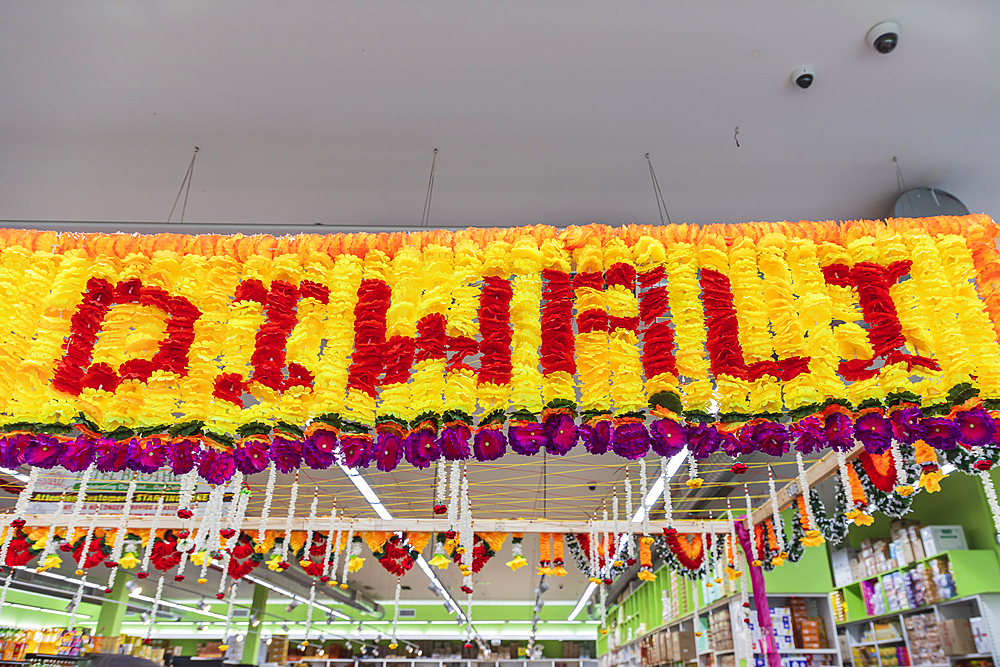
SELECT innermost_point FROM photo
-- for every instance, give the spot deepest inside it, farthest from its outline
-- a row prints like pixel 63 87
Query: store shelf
pixel 810 651
pixel 971 656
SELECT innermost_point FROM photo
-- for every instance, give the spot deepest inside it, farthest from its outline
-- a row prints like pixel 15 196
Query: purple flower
pixel 631 440
pixel 701 439
pixel 839 432
pixel 216 467
pixel 561 434
pixel 768 437
pixel 354 447
pixel 489 444
pixel 597 436
pixel 390 448
pixel 668 437
pixel 421 448
pixel 906 424
pixel 941 432
pixel 732 446
pixel 286 454
pixel 110 455
pixel 43 451
pixel 78 455
pixel 454 441
pixel 975 427
pixel 319 448
pixel 12 450
pixel 874 431
pixel 182 454
pixel 147 455
pixel 251 455
pixel 526 438
pixel 808 435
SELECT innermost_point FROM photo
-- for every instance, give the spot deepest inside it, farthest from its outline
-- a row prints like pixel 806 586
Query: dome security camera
pixel 884 37
pixel 804 76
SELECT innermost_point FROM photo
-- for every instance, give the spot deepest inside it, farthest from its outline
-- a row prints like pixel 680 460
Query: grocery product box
pixel 980 635
pixel 956 636
pixel 841 561
pixel 937 539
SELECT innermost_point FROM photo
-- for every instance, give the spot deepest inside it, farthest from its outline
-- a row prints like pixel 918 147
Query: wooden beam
pixel 395 525
pixel 815 474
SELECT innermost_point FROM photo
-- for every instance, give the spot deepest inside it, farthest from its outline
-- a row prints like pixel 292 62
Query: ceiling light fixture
pixel 673 465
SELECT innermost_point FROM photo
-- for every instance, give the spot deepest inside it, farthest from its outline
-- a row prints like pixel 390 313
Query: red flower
pixel 494 326
pixel 369 336
pixel 558 342
pixel 440 509
pixel 983 465
pixel 738 468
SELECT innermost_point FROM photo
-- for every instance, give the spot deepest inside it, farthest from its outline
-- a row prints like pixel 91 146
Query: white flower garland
pixel 265 511
pixel 332 535
pixel 804 487
pixel 454 502
pixel 991 496
pixel 78 596
pixel 395 609
pixel 311 525
pixel 614 514
pixel 606 570
pixel 229 613
pixel 466 538
pixel 148 553
pixel 592 530
pixel 668 505
pixel 24 497
pixel 753 532
pixel 732 532
pixel 208 535
pixel 845 479
pixel 692 466
pixel 643 491
pixel 309 611
pixel 235 521
pixel 6 587
pixel 347 556
pixel 236 483
pixel 156 606
pixel 119 544
pixel 81 494
pixel 897 459
pixel 629 515
pixel 286 542
pixel 779 526
pixel 440 496
pixel 189 481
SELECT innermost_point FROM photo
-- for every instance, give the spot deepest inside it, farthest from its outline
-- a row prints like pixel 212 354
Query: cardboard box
pixel 981 635
pixel 686 648
pixel 913 532
pixel 840 560
pixel 956 637
pixel 937 539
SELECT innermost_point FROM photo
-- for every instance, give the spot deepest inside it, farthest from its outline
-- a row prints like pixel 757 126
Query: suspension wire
pixel 187 182
pixel 661 204
pixel 425 218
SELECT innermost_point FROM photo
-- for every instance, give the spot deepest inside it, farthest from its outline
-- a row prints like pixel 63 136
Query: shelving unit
pixel 985 606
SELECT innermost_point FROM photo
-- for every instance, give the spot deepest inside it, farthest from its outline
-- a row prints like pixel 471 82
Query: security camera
pixel 592 486
pixel 884 37
pixel 803 76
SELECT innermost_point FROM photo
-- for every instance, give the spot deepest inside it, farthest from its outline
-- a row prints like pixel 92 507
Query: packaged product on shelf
pixel 840 561
pixel 937 539
pixel 839 606
pixel 980 634
pixel 925 643
pixel 956 637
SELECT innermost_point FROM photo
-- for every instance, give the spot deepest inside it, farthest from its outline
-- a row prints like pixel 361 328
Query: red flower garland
pixel 164 555
pixel 558 351
pixel 369 336
pixel 881 469
pixel 885 333
pixel 725 353
pixel 689 549
pixel 657 337
pixel 495 364
pixel 74 370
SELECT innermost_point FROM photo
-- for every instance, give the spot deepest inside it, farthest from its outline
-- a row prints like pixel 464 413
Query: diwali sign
pixel 231 352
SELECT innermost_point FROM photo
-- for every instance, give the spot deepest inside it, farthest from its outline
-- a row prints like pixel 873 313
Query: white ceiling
pixel 327 112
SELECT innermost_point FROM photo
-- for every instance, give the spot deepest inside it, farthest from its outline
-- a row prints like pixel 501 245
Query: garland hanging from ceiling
pixel 369 349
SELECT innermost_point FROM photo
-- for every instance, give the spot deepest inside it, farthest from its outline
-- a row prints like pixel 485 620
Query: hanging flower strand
pixel 332 538
pixel 155 609
pixel 630 544
pixel 812 535
pixel 395 612
pixel 310 530
pixel 694 481
pixel 757 546
pixel 903 486
pixel 779 526
pixel 615 528
pixel 668 506
pixel 154 526
pixel 46 559
pixel 119 543
pixel 265 511
pixel 289 517
pixel 231 531
pixel 74 518
pixel 643 492
pixel 991 497
pixel 347 556
pixel 595 577
pixel 440 497
pixel 517 560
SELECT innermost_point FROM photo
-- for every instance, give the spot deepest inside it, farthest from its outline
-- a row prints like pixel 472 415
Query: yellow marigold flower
pixel 863 519
pixel 647 576
pixel 274 564
pixel 441 562
pixel 128 561
pixel 931 481
pixel 356 563
pixel 50 562
pixel 695 483
pixel 517 563
pixel 904 490
pixel 198 558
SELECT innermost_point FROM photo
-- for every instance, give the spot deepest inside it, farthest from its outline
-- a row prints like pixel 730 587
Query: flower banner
pixel 229 352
